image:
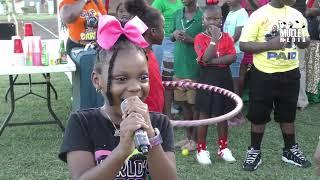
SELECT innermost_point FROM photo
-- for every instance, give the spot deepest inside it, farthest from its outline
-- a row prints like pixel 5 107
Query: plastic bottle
pixel 28 49
pixel 62 53
pixel 36 53
pixel 44 55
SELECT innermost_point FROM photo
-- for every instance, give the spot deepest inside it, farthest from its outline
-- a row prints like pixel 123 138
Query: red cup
pixel 17 45
pixel 28 29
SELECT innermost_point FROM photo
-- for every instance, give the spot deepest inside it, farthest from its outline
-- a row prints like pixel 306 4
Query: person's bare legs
pixel 168 99
pixel 188 114
pixel 222 129
pixel 202 130
pixel 187 111
pixel 238 84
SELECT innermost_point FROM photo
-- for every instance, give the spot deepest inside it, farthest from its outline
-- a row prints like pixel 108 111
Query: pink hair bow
pixel 110 29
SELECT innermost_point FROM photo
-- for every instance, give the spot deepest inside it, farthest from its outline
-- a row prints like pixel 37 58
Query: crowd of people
pixel 223 44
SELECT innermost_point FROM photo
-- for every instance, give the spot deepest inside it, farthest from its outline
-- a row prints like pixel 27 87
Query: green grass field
pixel 30 152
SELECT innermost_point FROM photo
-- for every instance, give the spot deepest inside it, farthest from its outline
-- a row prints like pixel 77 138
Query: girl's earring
pixel 98 90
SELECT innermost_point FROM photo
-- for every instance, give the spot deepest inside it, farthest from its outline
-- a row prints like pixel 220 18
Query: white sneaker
pixel 226 155
pixel 174 110
pixel 203 157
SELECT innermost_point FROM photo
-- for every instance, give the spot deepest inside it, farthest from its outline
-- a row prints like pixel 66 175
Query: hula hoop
pixel 215 89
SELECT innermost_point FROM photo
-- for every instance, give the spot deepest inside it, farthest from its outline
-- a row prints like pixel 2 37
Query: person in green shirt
pixel 167 8
pixel 187 23
pixel 164 52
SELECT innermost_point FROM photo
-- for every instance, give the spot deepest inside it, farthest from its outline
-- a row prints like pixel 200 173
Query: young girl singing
pixel 98 143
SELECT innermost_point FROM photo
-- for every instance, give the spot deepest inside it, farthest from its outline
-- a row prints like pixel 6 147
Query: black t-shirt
pixel 89 130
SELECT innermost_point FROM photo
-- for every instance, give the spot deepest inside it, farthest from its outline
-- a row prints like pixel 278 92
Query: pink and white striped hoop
pixel 215 89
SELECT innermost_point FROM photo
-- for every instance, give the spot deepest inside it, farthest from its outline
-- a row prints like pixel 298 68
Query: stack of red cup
pixel 17 45
pixel 19 59
pixel 28 44
pixel 28 29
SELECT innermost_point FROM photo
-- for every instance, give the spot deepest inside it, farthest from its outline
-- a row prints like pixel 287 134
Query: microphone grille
pixel 123 105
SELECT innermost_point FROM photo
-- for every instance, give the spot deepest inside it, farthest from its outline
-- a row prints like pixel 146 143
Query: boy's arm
pixel 227 59
pixel 253 47
pixel 237 33
pixel 187 39
pixel 230 55
pixel 241 21
pixel 174 33
pixel 211 51
pixel 71 11
pixel 258 47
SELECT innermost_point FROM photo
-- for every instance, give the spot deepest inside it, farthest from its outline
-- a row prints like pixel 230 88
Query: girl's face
pixel 129 76
pixel 212 17
pixel 122 13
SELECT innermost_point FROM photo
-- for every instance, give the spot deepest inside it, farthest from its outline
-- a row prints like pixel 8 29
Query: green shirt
pixel 185 64
pixel 167 8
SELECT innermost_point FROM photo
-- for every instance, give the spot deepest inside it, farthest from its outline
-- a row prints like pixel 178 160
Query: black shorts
pixel 274 91
pixel 212 103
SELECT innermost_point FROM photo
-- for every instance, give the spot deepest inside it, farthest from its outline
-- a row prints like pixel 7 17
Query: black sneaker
pixel 253 159
pixel 295 156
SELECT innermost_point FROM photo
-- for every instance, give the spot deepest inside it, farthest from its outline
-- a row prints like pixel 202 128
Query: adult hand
pixel 215 33
pixel 276 44
pixel 135 105
pixel 128 126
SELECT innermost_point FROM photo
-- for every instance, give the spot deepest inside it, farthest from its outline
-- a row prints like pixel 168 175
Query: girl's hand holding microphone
pixel 136 119
pixel 128 127
pixel 135 105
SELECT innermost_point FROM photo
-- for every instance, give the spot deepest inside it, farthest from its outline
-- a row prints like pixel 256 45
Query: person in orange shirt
pixel 81 18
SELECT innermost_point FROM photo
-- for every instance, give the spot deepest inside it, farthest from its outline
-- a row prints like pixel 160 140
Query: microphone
pixel 140 138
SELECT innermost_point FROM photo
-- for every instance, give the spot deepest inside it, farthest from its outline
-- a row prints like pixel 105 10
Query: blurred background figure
pixel 81 19
pixel 164 52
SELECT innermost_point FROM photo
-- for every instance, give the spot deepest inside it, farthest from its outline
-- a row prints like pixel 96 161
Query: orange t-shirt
pixel 85 26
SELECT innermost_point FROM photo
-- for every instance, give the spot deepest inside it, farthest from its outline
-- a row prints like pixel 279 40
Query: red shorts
pixel 247 58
